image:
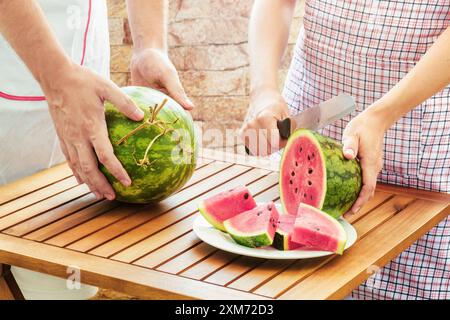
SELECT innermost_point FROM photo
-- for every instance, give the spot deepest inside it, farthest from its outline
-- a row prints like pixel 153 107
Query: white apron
pixel 28 139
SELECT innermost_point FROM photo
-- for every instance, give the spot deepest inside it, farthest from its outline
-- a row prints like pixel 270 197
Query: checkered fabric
pixel 363 48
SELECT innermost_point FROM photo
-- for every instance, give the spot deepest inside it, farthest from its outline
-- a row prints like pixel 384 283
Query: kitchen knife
pixel 319 116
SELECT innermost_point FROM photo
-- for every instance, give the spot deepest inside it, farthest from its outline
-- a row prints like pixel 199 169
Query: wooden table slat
pixel 52 215
pixel 134 236
pixel 142 214
pixel 22 187
pixel 60 226
pixel 171 248
pixel 86 228
pixel 42 206
pixel 205 268
pixel 185 259
pixel 141 282
pixel 49 220
pixel 37 196
pixel 140 249
pixel 116 215
pixel 169 251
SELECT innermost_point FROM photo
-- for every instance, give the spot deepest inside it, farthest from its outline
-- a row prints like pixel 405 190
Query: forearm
pixel 430 75
pixel 148 23
pixel 32 38
pixel 268 35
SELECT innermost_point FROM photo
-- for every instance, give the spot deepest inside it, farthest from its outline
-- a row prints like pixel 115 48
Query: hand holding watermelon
pixel 363 137
pixel 152 68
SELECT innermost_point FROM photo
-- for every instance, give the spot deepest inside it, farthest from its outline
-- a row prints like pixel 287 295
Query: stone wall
pixel 208 45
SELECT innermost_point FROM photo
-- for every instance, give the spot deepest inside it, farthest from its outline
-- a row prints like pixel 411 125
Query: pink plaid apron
pixel 364 47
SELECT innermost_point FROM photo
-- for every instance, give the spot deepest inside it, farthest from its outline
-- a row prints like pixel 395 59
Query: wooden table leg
pixel 9 290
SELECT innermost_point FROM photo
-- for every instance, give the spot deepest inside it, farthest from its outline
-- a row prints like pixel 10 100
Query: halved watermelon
pixel 315 228
pixel 254 228
pixel 314 171
pixel 226 205
pixel 283 234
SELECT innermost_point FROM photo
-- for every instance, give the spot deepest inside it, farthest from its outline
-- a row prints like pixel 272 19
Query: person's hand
pixel 363 138
pixel 153 68
pixel 75 97
pixel 259 131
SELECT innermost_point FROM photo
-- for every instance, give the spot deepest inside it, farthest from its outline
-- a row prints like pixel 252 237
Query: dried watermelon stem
pixel 145 161
pixel 149 122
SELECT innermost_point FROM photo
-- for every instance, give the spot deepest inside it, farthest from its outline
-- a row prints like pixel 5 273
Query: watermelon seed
pixel 290 181
pixel 269 207
pixel 304 195
pixel 309 158
pixel 296 163
pixel 259 213
pixel 293 173
pixel 310 197
pixel 246 196
pixel 310 170
pixel 301 149
pixel 296 190
pixel 309 182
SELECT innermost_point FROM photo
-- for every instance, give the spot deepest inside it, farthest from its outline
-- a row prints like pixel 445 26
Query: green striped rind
pixel 164 176
pixel 252 241
pixel 343 176
pixel 216 224
pixel 280 241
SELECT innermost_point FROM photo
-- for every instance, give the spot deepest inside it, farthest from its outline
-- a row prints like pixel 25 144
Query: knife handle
pixel 284 127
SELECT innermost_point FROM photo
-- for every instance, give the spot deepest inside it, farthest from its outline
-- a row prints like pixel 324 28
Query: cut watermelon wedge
pixel 314 171
pixel 315 228
pixel 283 235
pixel 226 205
pixel 254 228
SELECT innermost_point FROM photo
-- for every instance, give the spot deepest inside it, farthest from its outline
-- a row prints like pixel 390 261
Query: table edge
pixel 126 278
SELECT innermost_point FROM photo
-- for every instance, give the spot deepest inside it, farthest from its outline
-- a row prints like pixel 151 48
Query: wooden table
pixel 48 222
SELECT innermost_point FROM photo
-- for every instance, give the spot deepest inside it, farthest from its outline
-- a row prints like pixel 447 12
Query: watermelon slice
pixel 314 171
pixel 254 228
pixel 283 234
pixel 315 228
pixel 226 205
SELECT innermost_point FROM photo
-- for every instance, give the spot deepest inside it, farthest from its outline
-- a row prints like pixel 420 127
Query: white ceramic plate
pixel 223 241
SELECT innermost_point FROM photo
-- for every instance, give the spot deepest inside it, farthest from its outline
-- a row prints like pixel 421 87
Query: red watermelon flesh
pixel 315 228
pixel 226 205
pixel 255 227
pixel 302 177
pixel 283 234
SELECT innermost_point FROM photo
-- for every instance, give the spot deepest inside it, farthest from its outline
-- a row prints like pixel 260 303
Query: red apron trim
pixel 42 98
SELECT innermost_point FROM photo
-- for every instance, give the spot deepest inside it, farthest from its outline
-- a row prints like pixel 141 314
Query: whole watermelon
pixel 314 171
pixel 159 153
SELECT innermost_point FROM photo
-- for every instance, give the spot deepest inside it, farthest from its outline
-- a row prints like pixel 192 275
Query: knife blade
pixel 319 116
